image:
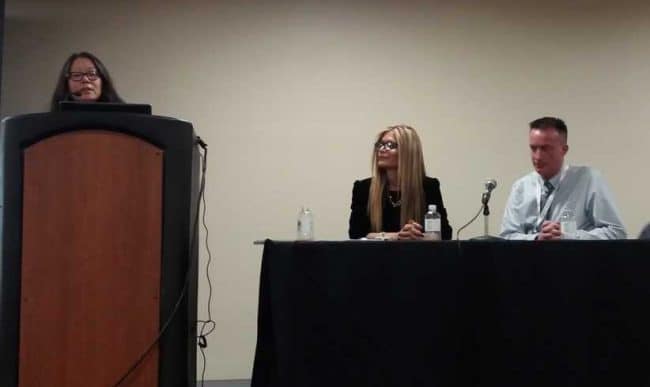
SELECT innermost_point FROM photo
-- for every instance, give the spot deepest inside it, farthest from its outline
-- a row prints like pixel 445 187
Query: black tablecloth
pixel 358 313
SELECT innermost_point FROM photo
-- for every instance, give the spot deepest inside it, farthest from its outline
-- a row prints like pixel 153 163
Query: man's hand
pixel 550 231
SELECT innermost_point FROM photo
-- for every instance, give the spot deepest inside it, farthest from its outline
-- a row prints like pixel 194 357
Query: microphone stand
pixel 486 220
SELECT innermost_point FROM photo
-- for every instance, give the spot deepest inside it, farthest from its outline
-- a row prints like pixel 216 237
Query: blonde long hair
pixel 410 172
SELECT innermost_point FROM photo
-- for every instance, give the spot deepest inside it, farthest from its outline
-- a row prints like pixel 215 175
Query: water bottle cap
pixel 432 207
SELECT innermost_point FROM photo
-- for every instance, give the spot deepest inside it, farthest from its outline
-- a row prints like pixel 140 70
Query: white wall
pixel 289 97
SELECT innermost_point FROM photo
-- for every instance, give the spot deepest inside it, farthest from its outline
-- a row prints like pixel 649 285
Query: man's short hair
pixel 551 123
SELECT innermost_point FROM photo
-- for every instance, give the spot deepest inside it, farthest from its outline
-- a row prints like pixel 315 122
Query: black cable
pixel 468 223
pixel 181 296
pixel 203 363
pixel 206 326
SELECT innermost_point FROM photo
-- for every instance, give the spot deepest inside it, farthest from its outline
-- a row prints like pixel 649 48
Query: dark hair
pixel 61 92
pixel 551 123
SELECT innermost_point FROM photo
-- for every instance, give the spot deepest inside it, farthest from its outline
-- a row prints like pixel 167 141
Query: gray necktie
pixel 546 192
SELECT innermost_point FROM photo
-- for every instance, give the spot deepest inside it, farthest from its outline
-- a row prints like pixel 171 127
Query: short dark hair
pixel 551 123
pixel 61 92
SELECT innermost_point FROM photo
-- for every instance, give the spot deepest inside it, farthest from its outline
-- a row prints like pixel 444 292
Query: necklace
pixel 396 203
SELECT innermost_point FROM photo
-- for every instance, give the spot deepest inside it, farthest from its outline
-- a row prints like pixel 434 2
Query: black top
pixel 360 220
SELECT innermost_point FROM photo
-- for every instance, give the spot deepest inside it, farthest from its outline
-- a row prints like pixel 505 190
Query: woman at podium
pixel 84 77
pixel 391 204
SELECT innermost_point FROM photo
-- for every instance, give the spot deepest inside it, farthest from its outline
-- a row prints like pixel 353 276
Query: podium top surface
pixel 159 130
pixel 77 106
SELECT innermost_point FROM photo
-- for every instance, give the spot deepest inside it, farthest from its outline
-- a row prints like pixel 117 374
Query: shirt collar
pixel 555 180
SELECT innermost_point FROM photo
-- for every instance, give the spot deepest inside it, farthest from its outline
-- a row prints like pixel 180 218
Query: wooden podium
pixel 98 251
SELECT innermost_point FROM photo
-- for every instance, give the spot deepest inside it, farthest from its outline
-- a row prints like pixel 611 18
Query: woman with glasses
pixel 391 204
pixel 84 78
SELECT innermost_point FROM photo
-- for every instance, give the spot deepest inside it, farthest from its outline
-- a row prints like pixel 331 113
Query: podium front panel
pixel 88 308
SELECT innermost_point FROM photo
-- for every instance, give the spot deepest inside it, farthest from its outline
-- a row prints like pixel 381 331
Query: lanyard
pixel 549 200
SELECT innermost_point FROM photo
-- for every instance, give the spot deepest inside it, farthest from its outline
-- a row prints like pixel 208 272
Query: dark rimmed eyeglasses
pixel 77 75
pixel 387 145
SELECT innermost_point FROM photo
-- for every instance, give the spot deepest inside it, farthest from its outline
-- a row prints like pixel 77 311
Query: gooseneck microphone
pixel 490 185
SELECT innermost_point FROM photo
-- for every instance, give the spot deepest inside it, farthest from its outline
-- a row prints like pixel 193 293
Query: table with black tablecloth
pixel 372 313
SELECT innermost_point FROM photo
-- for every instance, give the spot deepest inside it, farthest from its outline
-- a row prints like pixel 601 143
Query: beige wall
pixel 289 96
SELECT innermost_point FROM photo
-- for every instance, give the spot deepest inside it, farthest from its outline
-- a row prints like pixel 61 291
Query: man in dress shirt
pixel 538 199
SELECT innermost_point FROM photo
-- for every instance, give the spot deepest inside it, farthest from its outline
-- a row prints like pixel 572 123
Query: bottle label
pixel 432 225
pixel 568 229
pixel 305 227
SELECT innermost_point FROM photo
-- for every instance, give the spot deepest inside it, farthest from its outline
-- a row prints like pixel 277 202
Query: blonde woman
pixel 391 204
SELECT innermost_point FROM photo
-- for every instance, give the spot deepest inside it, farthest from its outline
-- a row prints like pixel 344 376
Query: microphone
pixel 490 185
pixel 74 96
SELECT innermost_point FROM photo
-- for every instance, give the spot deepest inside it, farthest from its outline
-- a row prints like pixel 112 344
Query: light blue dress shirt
pixel 580 189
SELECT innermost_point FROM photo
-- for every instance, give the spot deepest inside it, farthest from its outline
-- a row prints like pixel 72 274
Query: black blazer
pixel 360 220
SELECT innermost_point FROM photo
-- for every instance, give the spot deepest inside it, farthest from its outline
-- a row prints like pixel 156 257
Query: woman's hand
pixel 411 230
pixel 384 236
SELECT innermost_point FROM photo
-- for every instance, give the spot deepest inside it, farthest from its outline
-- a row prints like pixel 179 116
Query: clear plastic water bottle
pixel 305 224
pixel 432 224
pixel 568 225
